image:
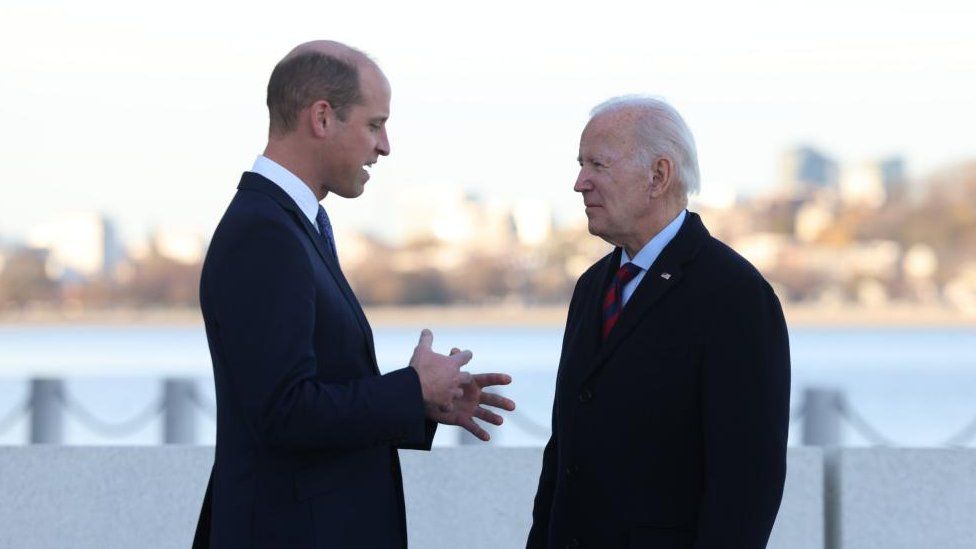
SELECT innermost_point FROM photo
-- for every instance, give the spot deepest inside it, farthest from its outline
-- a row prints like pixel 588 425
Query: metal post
pixel 179 418
pixel 821 416
pixel 47 418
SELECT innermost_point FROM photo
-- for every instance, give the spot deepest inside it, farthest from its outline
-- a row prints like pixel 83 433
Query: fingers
pixel 426 338
pixel 461 358
pixel 457 393
pixel 489 416
pixel 497 401
pixel 465 378
pixel 454 351
pixel 475 430
pixel 487 380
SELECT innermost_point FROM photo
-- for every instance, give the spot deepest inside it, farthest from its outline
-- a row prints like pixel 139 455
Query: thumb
pixel 461 358
pixel 426 338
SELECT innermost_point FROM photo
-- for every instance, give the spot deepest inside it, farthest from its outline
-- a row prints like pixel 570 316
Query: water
pixel 916 386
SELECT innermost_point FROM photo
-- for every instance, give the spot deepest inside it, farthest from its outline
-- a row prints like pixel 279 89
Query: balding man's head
pixel 313 71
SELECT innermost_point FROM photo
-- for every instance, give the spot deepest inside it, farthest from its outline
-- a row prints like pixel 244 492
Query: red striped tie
pixel 613 302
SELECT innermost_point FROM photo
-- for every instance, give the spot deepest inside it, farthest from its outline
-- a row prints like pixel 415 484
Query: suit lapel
pixel 256 182
pixel 666 273
pixel 583 341
pixel 330 262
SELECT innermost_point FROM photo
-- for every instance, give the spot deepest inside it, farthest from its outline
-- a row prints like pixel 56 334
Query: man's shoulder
pixel 723 261
pixel 249 208
pixel 253 217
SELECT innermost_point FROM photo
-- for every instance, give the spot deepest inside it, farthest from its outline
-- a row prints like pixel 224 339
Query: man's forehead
pixel 605 132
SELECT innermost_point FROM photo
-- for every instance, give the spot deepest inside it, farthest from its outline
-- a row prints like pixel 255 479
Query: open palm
pixel 470 404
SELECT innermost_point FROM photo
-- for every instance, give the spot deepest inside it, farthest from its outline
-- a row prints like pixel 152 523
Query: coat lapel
pixel 256 182
pixel 665 274
pixel 587 342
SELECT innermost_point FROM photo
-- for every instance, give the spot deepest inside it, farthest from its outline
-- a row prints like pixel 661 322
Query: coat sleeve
pixel 261 301
pixel 430 429
pixel 745 400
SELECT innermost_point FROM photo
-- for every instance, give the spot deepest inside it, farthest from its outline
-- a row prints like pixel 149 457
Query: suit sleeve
pixel 539 533
pixel 263 305
pixel 430 429
pixel 745 399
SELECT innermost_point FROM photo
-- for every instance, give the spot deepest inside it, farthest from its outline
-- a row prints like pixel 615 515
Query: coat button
pixel 585 395
pixel 573 544
pixel 572 470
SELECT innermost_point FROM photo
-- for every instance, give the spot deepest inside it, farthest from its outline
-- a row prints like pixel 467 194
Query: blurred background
pixel 835 143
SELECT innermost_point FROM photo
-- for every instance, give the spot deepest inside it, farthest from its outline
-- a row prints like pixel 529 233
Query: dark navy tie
pixel 613 301
pixel 325 228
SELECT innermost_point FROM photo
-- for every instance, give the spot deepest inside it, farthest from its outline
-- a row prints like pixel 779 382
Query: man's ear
pixel 321 117
pixel 662 177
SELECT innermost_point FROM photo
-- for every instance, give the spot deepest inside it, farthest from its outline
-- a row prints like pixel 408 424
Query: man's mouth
pixel 367 167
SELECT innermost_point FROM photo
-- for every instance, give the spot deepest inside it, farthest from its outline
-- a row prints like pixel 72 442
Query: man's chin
pixel 594 228
pixel 351 192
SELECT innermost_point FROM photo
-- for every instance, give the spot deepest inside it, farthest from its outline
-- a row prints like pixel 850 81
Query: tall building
pixel 893 176
pixel 873 183
pixel 806 169
pixel 81 245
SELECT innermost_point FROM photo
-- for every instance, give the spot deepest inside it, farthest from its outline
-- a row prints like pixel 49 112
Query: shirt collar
pixel 648 254
pixel 290 183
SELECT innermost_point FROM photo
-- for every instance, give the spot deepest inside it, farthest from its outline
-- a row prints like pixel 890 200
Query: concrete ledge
pixel 149 497
pixel 101 497
pixel 904 499
pixel 800 522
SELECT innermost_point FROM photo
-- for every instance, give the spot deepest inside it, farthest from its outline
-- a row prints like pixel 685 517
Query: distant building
pixel 82 245
pixel 807 170
pixel 872 183
pixel 894 177
pixel 180 244
pixel 812 219
pixel 469 221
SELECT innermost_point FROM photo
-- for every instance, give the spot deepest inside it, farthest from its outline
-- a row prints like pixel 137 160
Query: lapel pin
pixel 666 276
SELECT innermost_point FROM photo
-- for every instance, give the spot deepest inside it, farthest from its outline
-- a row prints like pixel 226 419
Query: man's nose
pixel 582 182
pixel 383 146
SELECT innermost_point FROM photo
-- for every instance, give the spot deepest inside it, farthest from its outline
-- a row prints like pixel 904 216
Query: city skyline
pixel 151 117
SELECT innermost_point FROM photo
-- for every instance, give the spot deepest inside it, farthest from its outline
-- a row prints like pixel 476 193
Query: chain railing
pixel 821 414
pixel 10 418
pixel 48 402
pixel 205 405
pixel 529 425
pixel 823 410
pixel 108 428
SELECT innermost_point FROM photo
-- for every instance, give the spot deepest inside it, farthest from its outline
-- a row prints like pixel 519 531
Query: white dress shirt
pixel 648 254
pixel 291 184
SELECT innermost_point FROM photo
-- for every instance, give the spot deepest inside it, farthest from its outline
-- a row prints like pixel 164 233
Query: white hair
pixel 661 132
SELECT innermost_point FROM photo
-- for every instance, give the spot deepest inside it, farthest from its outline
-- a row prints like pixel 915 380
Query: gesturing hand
pixel 468 405
pixel 440 376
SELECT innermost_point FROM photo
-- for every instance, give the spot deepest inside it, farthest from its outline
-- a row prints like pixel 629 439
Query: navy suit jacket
pixel 672 432
pixel 307 428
